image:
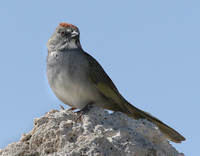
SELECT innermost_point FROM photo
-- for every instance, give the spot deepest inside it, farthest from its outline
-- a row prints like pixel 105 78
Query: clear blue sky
pixel 150 49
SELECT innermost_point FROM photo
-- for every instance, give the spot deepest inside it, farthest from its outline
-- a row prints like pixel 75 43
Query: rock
pixel 97 133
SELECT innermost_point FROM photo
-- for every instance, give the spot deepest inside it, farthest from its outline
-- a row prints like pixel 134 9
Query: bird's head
pixel 66 36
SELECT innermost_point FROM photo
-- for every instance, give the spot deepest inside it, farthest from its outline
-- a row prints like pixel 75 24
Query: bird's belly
pixel 75 92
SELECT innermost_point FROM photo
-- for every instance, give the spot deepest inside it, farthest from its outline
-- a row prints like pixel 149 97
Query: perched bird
pixel 79 81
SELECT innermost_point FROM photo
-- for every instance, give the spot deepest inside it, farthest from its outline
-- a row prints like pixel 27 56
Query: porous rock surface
pixel 97 133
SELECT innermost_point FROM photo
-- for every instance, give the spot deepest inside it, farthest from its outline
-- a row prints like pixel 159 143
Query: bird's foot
pixel 73 109
pixel 84 110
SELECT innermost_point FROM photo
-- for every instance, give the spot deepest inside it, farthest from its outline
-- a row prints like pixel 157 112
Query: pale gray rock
pixel 97 133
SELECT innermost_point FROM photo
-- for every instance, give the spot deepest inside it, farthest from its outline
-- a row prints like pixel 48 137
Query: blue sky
pixel 150 49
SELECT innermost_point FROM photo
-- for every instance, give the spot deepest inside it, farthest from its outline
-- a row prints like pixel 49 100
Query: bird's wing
pixel 103 83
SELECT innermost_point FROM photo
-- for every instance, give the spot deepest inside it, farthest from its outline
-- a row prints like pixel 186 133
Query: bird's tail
pixel 169 132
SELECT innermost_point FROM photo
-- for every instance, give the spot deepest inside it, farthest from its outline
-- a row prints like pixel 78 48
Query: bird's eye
pixel 62 33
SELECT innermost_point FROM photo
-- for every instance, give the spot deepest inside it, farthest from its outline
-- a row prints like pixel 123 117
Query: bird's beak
pixel 74 33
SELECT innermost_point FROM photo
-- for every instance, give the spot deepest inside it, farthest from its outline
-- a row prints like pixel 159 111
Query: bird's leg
pixel 84 110
pixel 70 108
pixel 62 107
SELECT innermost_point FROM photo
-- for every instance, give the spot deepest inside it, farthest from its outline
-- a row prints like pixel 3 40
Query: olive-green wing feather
pixel 104 84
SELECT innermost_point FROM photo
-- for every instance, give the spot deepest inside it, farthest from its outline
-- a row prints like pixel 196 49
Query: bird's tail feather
pixel 169 132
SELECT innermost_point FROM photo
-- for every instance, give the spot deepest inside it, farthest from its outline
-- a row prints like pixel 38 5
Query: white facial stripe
pixel 69 45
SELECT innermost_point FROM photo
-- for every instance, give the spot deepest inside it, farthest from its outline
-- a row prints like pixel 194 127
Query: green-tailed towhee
pixel 79 81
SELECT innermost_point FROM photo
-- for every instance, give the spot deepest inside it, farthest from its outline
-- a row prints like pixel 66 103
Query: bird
pixel 79 81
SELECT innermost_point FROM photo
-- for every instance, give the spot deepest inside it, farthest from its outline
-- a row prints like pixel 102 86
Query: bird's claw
pixel 84 110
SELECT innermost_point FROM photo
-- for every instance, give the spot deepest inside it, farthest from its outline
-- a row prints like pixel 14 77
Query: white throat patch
pixel 72 44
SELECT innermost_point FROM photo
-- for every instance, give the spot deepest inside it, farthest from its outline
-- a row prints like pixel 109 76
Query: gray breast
pixel 67 76
pixel 71 63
